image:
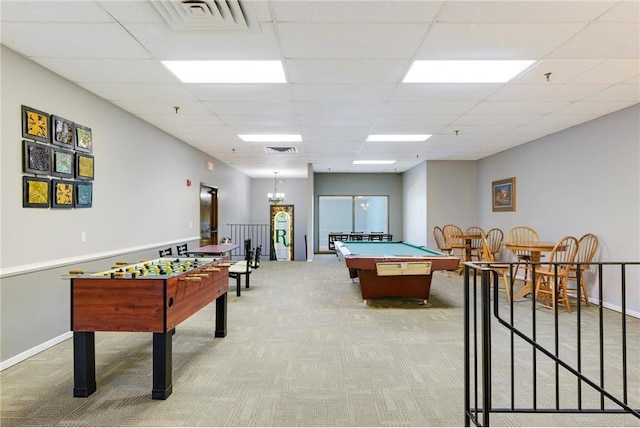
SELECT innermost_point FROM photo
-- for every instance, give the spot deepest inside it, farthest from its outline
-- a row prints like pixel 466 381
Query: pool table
pixel 393 269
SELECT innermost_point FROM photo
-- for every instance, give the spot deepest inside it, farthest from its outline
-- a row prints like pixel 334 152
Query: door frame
pixel 213 214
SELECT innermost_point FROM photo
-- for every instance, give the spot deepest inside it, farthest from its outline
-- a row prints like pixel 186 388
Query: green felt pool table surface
pixel 390 249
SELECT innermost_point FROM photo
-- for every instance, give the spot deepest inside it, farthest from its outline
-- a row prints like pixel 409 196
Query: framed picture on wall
pixel 84 139
pixel 84 195
pixel 36 192
pixel 503 194
pixel 36 158
pixel 35 124
pixel 62 164
pixel 62 194
pixel 62 132
pixel 84 167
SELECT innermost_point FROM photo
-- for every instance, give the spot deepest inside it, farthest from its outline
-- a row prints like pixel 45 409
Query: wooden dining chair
pixel 456 244
pixel 523 234
pixel 476 244
pixel 552 279
pixel 587 249
pixel 500 268
pixel 441 241
pixel 495 237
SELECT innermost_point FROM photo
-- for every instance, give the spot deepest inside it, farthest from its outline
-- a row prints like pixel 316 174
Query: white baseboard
pixel 35 350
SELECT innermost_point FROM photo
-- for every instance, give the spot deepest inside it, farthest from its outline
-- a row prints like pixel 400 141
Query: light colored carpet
pixel 302 350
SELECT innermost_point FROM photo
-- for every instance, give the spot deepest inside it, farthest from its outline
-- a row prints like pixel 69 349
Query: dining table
pixel 223 250
pixel 535 249
pixel 468 243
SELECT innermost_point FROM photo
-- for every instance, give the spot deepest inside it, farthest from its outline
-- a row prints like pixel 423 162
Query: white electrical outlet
pixel 190 225
pixel 83 237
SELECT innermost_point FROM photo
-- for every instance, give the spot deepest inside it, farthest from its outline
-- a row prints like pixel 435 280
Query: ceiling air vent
pixel 230 16
pixel 281 150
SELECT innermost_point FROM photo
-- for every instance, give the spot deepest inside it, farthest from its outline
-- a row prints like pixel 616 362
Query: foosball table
pixel 151 296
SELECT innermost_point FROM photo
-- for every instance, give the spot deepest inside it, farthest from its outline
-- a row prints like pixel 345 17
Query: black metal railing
pixel 259 235
pixel 523 358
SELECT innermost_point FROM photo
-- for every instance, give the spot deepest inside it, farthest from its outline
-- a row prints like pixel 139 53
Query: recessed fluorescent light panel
pixel 465 71
pixel 374 162
pixel 270 138
pixel 227 71
pixel 398 137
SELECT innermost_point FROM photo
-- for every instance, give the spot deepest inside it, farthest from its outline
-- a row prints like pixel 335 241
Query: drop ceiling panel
pixel 140 91
pixel 428 108
pixel 499 108
pixel 250 107
pixel 306 107
pixel 522 12
pixel 452 141
pixel 211 131
pixel 328 135
pixel 261 120
pixel 87 40
pixel 562 70
pixel 349 41
pixel 344 61
pixel 336 121
pixel 527 93
pixel 332 148
pixel 173 119
pixel 393 123
pixel 560 121
pixel 128 11
pixel 594 108
pixel 623 11
pixel 443 92
pixel 345 70
pixel 166 44
pixel 355 11
pixel 603 40
pixel 161 107
pixel 610 71
pixel 342 93
pixel 241 92
pixel 494 41
pixel 109 70
pixel 626 93
pixel 49 11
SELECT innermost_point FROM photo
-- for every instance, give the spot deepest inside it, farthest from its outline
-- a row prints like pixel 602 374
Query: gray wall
pixel 362 185
pixel 583 179
pixel 141 202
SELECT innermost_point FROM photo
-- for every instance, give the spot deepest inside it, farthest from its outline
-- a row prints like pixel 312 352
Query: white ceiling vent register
pixel 231 16
pixel 281 150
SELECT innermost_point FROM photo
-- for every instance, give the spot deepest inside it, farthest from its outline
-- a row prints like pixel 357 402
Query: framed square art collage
pixel 58 161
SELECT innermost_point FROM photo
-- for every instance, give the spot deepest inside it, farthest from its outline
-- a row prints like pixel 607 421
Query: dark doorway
pixel 208 215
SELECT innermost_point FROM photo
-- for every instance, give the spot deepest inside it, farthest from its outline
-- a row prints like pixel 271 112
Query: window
pixel 346 214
